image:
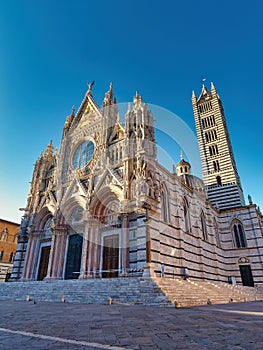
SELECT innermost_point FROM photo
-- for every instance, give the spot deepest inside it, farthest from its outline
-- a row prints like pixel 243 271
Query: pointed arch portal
pixel 72 270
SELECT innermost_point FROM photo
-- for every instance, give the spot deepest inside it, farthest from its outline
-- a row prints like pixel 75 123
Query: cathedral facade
pixel 102 206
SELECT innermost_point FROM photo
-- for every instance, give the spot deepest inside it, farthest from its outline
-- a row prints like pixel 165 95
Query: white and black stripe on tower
pixel 219 169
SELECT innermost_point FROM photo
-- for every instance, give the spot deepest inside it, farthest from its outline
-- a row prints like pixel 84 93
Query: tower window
pixel 208 122
pixel 216 165
pixel 218 180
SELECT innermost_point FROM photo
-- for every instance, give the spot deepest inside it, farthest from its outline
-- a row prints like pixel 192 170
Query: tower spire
pixel 108 99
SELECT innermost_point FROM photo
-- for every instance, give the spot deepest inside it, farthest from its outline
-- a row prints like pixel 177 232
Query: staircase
pixel 184 293
pixel 130 291
pixel 166 292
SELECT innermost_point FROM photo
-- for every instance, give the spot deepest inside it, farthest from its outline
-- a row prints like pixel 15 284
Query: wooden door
pixel 43 265
pixel 110 256
pixel 73 257
pixel 246 275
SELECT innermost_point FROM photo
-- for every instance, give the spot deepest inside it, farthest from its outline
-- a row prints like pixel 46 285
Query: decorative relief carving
pixel 243 260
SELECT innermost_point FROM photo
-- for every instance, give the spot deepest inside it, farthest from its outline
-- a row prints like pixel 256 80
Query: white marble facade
pixel 102 206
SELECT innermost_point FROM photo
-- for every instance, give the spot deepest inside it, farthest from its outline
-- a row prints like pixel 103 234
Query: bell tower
pixel 219 169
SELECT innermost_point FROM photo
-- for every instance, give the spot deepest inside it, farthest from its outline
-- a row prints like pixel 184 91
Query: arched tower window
pixel 203 226
pixel 187 222
pixel 239 235
pixel 218 180
pixel 165 212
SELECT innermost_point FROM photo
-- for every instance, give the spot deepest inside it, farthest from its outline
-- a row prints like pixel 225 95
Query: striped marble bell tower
pixel 219 169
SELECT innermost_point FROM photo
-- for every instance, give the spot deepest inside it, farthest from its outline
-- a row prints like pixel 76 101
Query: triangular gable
pixel 118 133
pixel 75 188
pixel 204 93
pixel 108 178
pixel 88 111
pixel 52 199
pixel 47 199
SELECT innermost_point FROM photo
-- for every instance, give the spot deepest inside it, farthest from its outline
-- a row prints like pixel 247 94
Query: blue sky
pixel 50 50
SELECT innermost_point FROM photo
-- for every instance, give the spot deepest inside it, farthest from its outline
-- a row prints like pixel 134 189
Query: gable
pixel 117 134
pixel 87 113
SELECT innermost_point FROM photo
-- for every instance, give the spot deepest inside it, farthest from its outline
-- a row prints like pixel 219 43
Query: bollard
pixel 27 298
pixel 109 301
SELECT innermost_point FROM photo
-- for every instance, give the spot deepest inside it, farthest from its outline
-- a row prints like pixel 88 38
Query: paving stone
pixel 222 327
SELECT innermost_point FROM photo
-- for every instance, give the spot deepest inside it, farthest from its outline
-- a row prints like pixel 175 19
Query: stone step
pixel 132 291
pixel 193 292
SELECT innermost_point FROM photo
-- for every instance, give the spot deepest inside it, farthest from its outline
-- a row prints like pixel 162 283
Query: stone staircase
pixel 166 292
pixel 184 293
pixel 131 291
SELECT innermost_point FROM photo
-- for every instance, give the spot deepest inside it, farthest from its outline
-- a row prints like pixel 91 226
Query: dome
pixel 194 182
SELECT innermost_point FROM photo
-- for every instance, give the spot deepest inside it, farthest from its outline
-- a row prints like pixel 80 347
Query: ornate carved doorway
pixel 43 265
pixel 110 263
pixel 74 253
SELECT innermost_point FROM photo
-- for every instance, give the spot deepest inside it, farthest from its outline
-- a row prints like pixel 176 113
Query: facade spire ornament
pixel 108 99
pixel 49 149
pixel 137 99
pixel 90 85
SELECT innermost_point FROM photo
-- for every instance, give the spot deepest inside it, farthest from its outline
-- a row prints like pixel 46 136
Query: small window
pixel 1 255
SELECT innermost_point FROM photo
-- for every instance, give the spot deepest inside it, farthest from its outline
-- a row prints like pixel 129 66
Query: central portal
pixel 110 264
pixel 73 257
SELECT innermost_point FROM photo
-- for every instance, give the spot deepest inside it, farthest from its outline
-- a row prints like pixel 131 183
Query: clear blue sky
pixel 51 49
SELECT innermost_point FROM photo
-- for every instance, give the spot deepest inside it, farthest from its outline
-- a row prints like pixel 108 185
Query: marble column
pixel 57 253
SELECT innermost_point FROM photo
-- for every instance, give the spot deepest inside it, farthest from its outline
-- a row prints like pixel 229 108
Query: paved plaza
pixel 42 325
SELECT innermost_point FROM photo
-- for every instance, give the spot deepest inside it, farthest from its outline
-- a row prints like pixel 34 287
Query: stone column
pixel 84 254
pixel 21 250
pixel 125 245
pixel 57 253
pixel 29 272
pixel 51 256
pixel 91 236
pixel 148 270
pixel 96 257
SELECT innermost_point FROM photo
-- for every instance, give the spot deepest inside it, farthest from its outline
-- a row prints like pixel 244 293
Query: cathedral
pixel 102 206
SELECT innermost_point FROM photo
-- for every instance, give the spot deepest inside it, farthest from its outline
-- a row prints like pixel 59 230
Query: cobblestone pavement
pixel 25 325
